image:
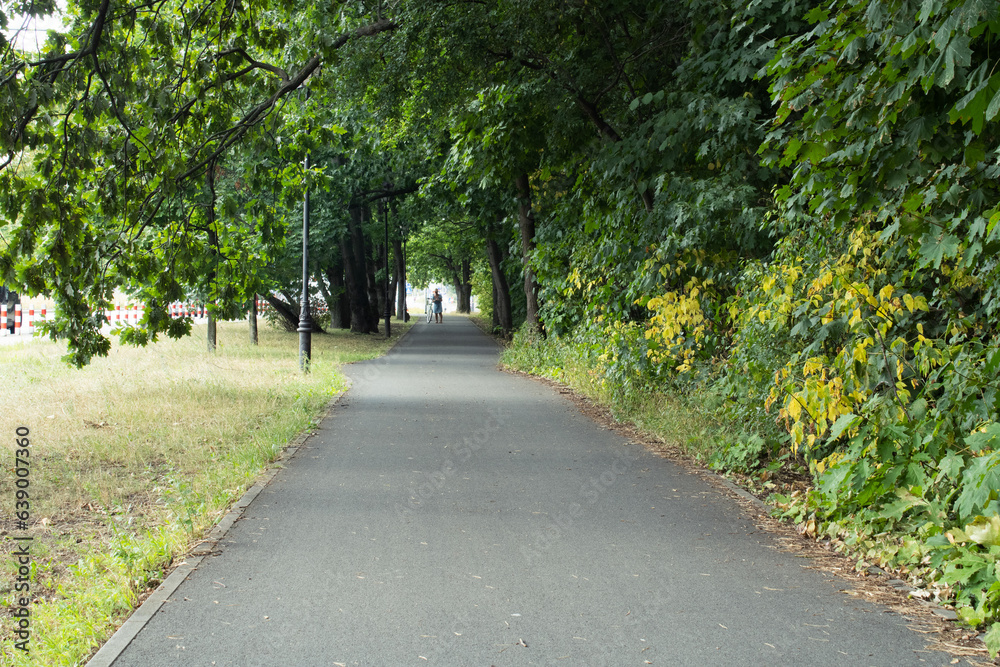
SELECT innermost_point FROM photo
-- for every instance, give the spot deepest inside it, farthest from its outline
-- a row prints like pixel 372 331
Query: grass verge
pixel 137 456
pixel 669 418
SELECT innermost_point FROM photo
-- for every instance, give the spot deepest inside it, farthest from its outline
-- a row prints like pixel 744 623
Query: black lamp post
pixel 305 319
pixel 388 296
pixel 404 231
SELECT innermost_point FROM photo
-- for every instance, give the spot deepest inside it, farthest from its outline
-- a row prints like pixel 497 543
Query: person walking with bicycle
pixel 437 300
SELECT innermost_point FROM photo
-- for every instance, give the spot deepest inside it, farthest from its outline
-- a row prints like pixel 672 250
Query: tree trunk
pixel 456 284
pixel 397 252
pixel 212 331
pixel 362 308
pixel 493 311
pixel 465 296
pixel 501 296
pixel 254 340
pixel 290 317
pixel 390 293
pixel 526 223
pixel 339 306
pixel 357 295
pixel 213 239
pixel 374 312
pixel 289 311
pixel 463 291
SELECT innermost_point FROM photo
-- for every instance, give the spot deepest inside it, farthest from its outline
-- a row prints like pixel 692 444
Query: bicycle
pixel 429 311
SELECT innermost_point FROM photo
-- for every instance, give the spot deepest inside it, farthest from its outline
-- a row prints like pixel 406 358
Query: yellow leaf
pixel 797 436
pixel 794 409
pixel 860 354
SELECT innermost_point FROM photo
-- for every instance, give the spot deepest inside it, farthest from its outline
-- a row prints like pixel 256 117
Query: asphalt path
pixel 447 513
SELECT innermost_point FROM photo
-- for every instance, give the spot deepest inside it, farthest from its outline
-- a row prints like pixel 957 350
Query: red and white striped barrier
pixel 30 328
pixel 17 319
pixel 181 309
pixel 3 320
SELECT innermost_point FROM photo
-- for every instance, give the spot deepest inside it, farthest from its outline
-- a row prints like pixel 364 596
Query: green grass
pixel 668 418
pixel 137 456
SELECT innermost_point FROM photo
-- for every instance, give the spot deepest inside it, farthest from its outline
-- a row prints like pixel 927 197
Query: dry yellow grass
pixel 135 456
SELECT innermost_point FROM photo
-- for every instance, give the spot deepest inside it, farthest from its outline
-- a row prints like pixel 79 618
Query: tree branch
pixel 255 64
pixel 375 195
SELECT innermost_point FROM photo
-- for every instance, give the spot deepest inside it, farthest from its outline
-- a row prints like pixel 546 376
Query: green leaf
pixel 984 531
pixel 992 640
pixel 951 465
pixel 974 153
pixel 815 152
pixel 843 423
pixel 957 53
pixel 981 104
pixel 929 8
pixel 817 15
pixel 980 482
pixel 987 439
pixel 994 108
pixel 934 250
pixel 972 616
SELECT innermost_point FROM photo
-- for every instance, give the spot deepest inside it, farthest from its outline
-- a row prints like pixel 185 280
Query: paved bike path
pixel 446 513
